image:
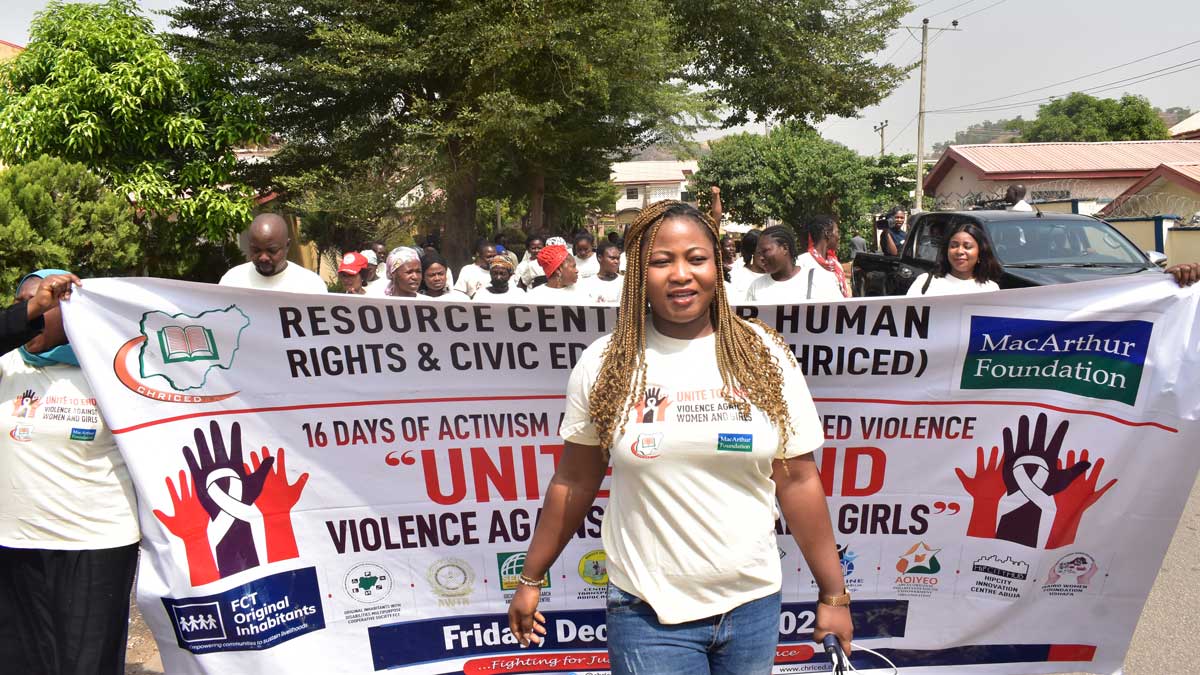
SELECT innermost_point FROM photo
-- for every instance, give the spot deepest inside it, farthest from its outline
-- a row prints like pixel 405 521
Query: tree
pixel 1000 131
pixel 97 86
pixel 58 214
pixel 793 174
pixel 788 59
pixel 1080 117
pixel 555 90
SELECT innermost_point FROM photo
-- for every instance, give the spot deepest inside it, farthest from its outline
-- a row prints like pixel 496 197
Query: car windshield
pixel 1049 242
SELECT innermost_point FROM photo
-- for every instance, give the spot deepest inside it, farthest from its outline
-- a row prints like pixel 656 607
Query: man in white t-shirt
pixel 475 275
pixel 268 268
pixel 1015 196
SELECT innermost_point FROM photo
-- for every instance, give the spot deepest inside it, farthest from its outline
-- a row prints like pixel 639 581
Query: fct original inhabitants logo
pixel 1096 359
pixel 368 583
pixel 181 350
pixel 593 568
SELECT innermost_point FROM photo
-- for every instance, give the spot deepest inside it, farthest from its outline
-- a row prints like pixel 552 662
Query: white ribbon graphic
pixel 1031 489
pixel 232 509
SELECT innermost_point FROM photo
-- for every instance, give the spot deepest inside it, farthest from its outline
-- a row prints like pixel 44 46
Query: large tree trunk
pixel 537 200
pixel 458 237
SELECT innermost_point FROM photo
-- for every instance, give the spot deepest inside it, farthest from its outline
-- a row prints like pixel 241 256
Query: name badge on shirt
pixel 735 442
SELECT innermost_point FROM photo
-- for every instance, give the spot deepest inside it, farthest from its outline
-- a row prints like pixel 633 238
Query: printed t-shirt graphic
pixel 690 523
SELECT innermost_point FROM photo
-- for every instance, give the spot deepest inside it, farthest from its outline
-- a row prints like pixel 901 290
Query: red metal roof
pixel 1187 175
pixel 12 44
pixel 1026 161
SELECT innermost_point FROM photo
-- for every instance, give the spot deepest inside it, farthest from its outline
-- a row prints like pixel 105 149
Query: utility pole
pixel 880 129
pixel 920 191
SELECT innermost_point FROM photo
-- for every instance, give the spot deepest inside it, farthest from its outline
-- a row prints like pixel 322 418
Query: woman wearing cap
pixel 352 273
pixel 404 272
pixel 435 281
pixel 689 530
pixel 501 289
pixel 69 531
pixel 561 275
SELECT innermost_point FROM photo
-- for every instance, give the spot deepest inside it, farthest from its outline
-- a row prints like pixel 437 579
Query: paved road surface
pixel 1167 640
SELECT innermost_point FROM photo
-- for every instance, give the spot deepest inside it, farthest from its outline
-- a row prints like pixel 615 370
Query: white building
pixel 643 183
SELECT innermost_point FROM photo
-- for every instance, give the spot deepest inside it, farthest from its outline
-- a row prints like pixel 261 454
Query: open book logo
pixel 181 350
pixel 191 342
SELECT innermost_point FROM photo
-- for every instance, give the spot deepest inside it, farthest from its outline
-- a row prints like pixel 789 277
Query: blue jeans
pixel 739 642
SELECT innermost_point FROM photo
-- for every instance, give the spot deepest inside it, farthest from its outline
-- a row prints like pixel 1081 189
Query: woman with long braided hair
pixel 707 421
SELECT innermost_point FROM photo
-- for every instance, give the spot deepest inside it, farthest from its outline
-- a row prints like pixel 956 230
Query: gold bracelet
pixel 842 600
pixel 526 581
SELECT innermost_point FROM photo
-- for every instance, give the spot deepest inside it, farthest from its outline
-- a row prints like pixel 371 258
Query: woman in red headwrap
pixel 561 275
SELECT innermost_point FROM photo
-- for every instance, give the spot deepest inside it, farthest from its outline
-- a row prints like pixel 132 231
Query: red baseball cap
pixel 353 263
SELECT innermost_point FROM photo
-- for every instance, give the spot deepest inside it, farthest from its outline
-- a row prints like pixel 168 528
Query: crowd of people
pixel 68 517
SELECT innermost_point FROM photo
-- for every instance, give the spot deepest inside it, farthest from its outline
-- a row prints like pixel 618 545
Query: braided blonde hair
pixel 750 372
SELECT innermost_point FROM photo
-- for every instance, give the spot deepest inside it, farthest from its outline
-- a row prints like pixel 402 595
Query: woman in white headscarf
pixel 404 272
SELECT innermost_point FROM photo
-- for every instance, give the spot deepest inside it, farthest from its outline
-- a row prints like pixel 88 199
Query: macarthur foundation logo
pixel 1096 359
pixel 179 351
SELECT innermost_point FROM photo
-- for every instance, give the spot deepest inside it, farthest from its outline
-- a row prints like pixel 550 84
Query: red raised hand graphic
pixel 276 502
pixel 1074 499
pixel 986 488
pixel 190 523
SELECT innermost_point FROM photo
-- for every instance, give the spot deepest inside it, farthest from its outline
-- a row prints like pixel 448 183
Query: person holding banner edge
pixel 689 532
pixel 24 319
pixel 69 531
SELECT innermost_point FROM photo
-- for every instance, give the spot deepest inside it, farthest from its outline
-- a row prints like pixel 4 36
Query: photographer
pixel 891 231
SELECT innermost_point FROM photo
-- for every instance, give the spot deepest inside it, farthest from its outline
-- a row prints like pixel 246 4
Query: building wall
pixel 1162 197
pixel 648 194
pixel 962 187
pixel 8 51
pixel 1140 232
pixel 1183 245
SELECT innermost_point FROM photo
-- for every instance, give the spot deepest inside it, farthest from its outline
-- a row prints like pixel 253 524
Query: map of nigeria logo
pixel 180 351
pixel 1096 359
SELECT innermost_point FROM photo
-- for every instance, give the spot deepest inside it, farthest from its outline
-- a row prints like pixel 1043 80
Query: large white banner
pixel 338 484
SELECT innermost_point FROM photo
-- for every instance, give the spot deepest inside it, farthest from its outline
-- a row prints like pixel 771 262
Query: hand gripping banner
pixel 340 484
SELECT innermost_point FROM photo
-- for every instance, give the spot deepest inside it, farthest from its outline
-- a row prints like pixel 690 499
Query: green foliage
pixel 1000 131
pixel 527 101
pixel 1080 117
pixel 788 59
pixel 57 214
pixel 793 174
pixel 97 86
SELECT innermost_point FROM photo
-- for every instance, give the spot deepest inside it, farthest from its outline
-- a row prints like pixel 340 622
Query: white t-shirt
pixel 824 288
pixel 527 271
pixel 293 279
pixel 690 524
pixel 449 296
pixel 471 278
pixel 950 285
pixel 807 284
pixel 512 296
pixel 377 288
pixel 602 292
pixel 1021 205
pixel 589 266
pixel 63 483
pixel 544 294
pixel 740 278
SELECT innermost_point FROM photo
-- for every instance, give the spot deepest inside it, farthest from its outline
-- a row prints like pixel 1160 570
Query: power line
pixel 898 48
pixel 1068 81
pixel 899 133
pixel 998 2
pixel 1109 86
pixel 951 9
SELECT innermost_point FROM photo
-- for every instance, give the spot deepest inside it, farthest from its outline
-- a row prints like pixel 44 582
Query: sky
pixel 1003 47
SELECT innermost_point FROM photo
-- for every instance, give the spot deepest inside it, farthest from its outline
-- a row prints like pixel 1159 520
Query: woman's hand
pixel 834 620
pixel 526 623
